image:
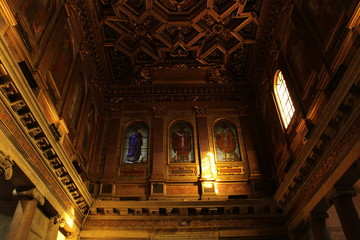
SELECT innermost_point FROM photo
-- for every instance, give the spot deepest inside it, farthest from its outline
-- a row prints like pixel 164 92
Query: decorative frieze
pixel 192 208
pixel 182 223
pixel 43 143
pixel 319 163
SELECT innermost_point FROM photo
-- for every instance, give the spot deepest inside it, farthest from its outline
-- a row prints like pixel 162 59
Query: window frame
pixel 284 102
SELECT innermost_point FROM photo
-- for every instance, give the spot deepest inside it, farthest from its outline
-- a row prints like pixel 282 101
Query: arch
pixel 136 139
pixel 181 147
pixel 283 99
pixel 226 142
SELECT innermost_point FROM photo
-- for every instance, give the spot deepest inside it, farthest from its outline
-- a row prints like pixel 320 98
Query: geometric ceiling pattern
pixel 140 37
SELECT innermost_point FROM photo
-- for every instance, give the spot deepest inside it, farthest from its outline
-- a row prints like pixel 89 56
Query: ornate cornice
pixel 334 134
pixel 6 165
pixel 185 94
pixel 20 108
pixel 183 223
pixel 330 163
pixel 188 214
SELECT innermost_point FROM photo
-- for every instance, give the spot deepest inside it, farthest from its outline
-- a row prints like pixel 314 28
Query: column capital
pixel 72 236
pixel 158 111
pixel 6 165
pixel 58 219
pixel 318 225
pixel 31 193
pixel 301 232
pixel 340 191
pixel 319 215
pixel 200 110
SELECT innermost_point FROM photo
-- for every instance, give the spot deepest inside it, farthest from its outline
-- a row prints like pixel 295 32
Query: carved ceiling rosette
pixel 178 5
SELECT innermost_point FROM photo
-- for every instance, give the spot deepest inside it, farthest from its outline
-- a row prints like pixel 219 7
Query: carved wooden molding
pixel 6 166
pixel 355 18
pixel 7 13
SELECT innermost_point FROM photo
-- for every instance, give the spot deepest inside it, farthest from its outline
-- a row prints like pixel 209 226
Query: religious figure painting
pixel 226 143
pixel 136 143
pixel 38 14
pixel 181 143
pixel 62 61
pixel 324 15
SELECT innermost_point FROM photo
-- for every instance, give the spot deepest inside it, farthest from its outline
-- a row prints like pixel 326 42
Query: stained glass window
pixel 181 143
pixel 136 143
pixel 226 143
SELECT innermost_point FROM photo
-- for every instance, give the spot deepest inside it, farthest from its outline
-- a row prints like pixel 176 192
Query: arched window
pixel 136 143
pixel 181 143
pixel 283 99
pixel 226 143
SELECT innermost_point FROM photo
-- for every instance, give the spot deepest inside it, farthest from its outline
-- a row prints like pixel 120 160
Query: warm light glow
pixel 216 188
pixel 60 236
pixel 208 184
pixel 211 185
pixel 283 99
pixel 69 220
pixel 212 164
pixel 208 167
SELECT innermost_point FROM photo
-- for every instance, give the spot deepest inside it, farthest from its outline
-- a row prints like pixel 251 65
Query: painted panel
pixel 62 62
pixel 38 14
pixel 131 190
pixel 234 189
pixel 324 15
pixel 176 189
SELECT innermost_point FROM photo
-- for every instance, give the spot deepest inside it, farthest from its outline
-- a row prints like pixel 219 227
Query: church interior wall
pixel 315 45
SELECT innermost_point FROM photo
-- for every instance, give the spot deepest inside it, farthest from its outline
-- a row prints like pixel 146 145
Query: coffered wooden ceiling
pixel 163 44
